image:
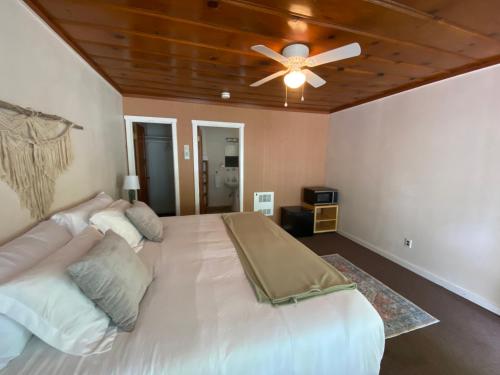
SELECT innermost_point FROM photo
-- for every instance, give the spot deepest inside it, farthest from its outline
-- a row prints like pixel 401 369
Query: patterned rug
pixel 399 314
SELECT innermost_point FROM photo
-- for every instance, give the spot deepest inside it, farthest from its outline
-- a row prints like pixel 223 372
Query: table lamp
pixel 131 183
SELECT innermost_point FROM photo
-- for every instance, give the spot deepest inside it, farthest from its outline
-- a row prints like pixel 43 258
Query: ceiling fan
pixel 296 59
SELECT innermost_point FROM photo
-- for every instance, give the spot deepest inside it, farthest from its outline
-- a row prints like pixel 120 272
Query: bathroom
pixel 219 169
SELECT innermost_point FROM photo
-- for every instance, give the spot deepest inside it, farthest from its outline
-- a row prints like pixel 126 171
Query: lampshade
pixel 131 183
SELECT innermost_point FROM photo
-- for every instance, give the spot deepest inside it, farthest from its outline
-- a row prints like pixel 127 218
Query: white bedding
pixel 200 316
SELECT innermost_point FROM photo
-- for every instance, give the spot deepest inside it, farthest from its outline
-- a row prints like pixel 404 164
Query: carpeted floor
pixel 465 341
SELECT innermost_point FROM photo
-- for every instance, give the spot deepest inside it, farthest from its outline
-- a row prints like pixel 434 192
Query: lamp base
pixel 131 196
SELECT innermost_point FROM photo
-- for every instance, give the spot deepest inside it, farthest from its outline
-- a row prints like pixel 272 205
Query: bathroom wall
pixel 214 142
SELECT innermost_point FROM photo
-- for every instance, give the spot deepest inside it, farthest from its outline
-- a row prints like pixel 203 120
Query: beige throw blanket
pixel 280 268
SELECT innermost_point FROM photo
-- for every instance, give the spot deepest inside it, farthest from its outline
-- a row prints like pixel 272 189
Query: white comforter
pixel 200 316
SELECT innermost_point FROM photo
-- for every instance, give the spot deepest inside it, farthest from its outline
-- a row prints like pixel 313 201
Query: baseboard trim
pixel 471 296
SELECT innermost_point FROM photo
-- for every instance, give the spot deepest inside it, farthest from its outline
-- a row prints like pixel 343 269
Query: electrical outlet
pixel 408 243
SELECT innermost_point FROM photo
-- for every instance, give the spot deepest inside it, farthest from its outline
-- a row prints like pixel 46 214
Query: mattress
pixel 200 316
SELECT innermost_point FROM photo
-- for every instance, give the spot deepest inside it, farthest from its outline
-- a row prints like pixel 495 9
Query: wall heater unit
pixel 264 202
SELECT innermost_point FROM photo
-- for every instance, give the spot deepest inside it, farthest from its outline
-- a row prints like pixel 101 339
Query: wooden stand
pixel 325 217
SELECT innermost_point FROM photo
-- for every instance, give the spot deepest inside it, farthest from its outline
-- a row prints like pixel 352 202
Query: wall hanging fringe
pixel 35 148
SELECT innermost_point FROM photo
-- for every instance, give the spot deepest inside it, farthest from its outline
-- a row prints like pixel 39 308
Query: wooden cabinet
pixel 325 217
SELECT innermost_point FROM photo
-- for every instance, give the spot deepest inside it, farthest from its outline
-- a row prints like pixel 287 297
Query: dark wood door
pixel 140 162
pixel 202 176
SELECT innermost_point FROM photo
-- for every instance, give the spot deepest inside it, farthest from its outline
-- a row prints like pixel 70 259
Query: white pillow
pixel 76 219
pixel 16 257
pixel 13 339
pixel 45 300
pixel 114 218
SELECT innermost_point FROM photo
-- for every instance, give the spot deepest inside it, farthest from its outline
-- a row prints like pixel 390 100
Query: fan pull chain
pixel 286 96
pixel 302 97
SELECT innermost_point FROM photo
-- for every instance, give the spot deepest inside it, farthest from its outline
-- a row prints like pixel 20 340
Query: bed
pixel 200 316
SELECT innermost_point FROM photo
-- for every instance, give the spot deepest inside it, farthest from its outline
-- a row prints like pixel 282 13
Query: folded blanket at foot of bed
pixel 280 268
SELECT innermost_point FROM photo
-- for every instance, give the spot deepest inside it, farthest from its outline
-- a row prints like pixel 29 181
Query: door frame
pixel 129 133
pixel 217 124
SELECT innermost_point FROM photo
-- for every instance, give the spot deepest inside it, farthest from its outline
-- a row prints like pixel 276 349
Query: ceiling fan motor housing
pixel 297 49
pixel 296 55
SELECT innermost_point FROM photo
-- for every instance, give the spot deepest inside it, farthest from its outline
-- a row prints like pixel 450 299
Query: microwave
pixel 317 195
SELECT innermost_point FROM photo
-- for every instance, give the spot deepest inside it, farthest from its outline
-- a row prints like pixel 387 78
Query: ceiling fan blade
pixel 341 53
pixel 268 78
pixel 266 51
pixel 313 79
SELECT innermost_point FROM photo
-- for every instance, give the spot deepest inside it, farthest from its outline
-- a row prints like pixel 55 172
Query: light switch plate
pixel 186 152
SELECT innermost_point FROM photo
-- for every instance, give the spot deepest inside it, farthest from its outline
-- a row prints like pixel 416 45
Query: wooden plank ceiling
pixel 194 49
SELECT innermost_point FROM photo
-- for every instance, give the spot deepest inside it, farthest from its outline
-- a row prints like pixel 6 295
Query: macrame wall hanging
pixel 35 148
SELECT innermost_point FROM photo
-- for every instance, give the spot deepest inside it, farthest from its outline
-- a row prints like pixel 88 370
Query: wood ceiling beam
pixel 162 15
pixel 42 13
pixel 166 68
pixel 134 94
pixel 333 25
pixel 329 99
pixel 210 75
pixel 158 37
pixel 243 99
pixel 218 77
pixel 269 69
pixel 272 11
pixel 438 77
pixel 207 46
pixel 415 13
pixel 252 77
pixel 158 14
pixel 274 39
pixel 249 77
pixel 157 77
pixel 310 95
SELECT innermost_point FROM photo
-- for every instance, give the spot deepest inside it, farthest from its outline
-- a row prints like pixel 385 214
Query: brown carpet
pixel 467 339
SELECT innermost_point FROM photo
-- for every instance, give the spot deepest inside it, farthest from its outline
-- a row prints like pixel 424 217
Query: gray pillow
pixel 146 221
pixel 113 276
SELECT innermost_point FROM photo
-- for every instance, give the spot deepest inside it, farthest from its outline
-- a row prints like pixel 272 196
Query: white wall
pixel 38 70
pixel 425 164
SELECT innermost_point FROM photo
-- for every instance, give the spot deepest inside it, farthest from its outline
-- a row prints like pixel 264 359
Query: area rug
pixel 399 314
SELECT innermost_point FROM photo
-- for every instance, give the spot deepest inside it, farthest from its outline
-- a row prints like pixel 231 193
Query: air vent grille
pixel 264 202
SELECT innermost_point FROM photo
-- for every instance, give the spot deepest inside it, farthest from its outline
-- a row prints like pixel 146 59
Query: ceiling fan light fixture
pixel 295 79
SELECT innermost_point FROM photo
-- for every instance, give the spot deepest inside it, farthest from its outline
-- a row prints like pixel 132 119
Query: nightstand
pixel 297 220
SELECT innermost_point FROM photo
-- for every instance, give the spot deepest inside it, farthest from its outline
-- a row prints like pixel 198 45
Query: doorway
pixel 218 156
pixel 152 155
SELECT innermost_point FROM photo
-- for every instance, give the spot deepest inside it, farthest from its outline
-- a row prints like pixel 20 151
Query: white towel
pixel 218 181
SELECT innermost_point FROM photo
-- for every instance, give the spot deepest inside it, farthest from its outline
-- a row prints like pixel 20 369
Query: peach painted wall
pixel 284 151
